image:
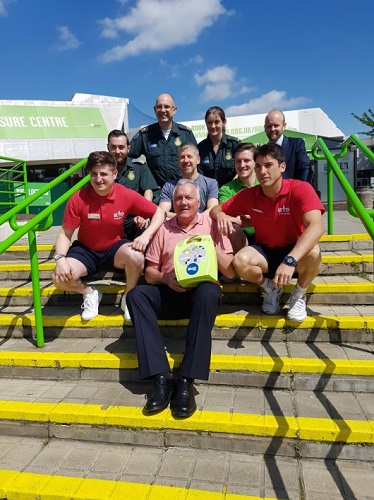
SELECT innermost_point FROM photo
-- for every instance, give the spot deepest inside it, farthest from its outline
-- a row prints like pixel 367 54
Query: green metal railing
pixel 13 183
pixel 40 222
pixel 44 220
pixel 354 204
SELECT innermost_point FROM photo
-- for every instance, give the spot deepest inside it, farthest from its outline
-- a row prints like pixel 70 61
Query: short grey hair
pixel 183 182
pixel 188 145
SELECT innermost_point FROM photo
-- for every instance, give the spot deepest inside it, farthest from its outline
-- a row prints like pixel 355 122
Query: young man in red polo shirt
pixel 98 212
pixel 287 217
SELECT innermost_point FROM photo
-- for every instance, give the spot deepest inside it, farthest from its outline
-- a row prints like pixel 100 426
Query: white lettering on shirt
pixel 119 215
pixel 284 210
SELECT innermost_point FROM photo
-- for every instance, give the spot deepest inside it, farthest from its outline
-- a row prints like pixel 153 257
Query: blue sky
pixel 247 56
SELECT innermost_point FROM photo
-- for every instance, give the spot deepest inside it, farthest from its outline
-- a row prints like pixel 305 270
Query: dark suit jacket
pixel 297 160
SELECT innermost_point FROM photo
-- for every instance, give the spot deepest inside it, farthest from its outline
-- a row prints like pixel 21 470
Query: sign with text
pixel 50 122
pixel 33 187
pixel 242 126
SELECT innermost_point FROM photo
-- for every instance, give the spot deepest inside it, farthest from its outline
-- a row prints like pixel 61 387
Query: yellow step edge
pixel 345 237
pixel 338 287
pixel 219 362
pixel 305 428
pixel 324 238
pixel 238 320
pixel 347 259
pixel 26 248
pixel 326 259
pixel 34 486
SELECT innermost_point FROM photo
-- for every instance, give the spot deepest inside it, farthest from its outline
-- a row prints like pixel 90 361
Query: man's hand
pixel 140 243
pixel 283 275
pixel 140 222
pixel 170 280
pixel 63 272
pixel 224 224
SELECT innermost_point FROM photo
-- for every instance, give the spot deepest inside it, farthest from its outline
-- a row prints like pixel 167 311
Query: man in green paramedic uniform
pixel 159 142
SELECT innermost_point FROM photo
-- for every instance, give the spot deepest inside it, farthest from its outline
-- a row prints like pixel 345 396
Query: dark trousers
pixel 148 303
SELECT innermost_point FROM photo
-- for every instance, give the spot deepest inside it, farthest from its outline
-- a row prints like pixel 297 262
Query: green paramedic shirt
pixel 161 154
pixel 228 191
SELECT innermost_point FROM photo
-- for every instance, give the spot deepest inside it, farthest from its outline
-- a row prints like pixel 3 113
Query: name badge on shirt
pixel 94 216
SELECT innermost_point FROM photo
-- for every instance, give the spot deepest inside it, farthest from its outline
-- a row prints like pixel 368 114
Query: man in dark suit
pixel 297 161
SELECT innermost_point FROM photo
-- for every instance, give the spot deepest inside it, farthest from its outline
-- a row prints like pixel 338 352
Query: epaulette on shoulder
pixel 232 138
pixel 184 127
pixel 143 129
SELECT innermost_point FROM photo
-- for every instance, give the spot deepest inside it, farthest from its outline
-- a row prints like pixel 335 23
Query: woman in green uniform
pixel 216 158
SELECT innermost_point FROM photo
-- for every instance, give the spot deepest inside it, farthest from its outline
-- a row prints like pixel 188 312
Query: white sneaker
pixel 126 313
pixel 271 301
pixel 297 309
pixel 90 305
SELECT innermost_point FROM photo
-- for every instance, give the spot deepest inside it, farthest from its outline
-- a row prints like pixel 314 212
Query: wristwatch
pixel 58 256
pixel 290 261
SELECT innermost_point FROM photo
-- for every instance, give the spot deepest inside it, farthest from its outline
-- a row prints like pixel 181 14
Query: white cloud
pixel 274 99
pixel 67 40
pixel 159 25
pixel 3 7
pixel 216 75
pixel 175 70
pixel 220 83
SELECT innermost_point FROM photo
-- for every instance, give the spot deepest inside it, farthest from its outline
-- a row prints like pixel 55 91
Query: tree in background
pixel 367 120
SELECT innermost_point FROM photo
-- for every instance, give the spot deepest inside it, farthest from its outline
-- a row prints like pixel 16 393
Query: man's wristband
pixel 290 261
pixel 58 256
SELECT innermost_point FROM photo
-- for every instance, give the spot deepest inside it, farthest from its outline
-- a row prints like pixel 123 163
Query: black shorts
pixel 95 262
pixel 273 256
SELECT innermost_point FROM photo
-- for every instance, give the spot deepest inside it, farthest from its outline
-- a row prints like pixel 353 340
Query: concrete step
pixel 325 323
pixel 284 365
pixel 324 290
pixel 332 263
pixel 34 468
pixel 338 242
pixel 259 421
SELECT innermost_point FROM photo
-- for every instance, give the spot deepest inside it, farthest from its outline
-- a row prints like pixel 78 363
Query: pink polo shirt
pixel 161 249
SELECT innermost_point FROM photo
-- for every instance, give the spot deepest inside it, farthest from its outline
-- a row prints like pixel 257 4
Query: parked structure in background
pixel 53 135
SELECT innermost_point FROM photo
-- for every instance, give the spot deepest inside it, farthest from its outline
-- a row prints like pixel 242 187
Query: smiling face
pixel 186 203
pixel 274 125
pixel 119 148
pixel 269 173
pixel 102 179
pixel 244 166
pixel 165 110
pixel 215 126
pixel 188 160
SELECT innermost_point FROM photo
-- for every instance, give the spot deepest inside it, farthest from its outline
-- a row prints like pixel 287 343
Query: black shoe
pixel 161 394
pixel 183 402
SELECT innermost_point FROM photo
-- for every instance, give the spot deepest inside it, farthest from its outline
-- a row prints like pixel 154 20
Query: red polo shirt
pixel 100 218
pixel 277 222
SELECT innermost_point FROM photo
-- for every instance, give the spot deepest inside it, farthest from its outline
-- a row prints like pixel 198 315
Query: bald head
pixel 164 110
pixel 275 123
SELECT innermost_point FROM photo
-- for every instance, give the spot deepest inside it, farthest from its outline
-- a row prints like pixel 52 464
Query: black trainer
pixel 183 402
pixel 161 393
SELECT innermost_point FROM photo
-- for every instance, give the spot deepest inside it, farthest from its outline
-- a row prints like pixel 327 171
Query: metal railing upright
pixel 13 183
pixel 354 205
pixel 40 222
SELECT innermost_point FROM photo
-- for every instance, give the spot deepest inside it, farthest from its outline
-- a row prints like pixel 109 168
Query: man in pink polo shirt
pixel 287 217
pixel 98 211
pixel 164 298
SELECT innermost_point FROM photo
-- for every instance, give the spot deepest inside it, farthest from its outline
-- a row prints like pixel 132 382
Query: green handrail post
pixel 352 197
pixel 39 331
pixel 40 222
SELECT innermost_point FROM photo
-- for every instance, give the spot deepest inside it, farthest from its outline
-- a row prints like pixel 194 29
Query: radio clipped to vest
pixel 195 261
